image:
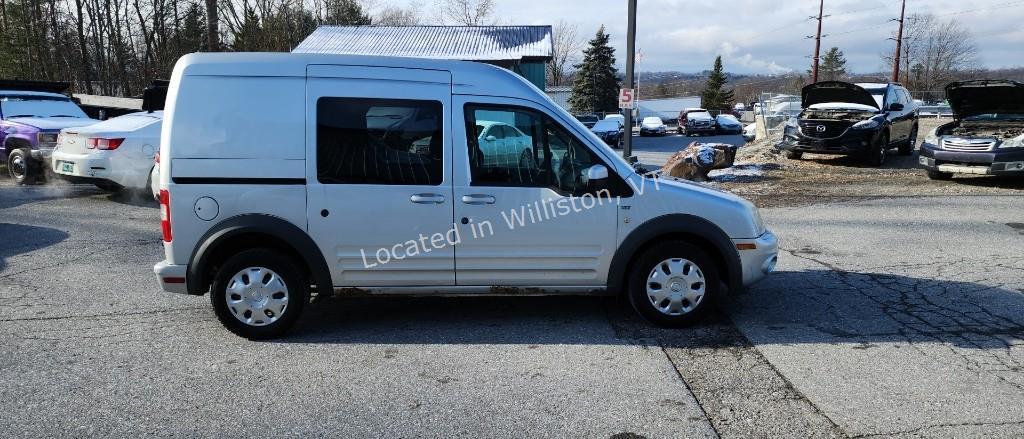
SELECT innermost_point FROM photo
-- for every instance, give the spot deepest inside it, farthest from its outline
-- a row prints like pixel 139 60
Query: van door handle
pixel 478 199
pixel 427 198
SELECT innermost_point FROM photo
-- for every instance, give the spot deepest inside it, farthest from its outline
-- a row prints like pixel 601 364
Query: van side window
pixel 534 152
pixel 379 141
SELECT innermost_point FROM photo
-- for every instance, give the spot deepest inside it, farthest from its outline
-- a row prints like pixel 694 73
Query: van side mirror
pixel 896 107
pixel 595 173
pixel 490 138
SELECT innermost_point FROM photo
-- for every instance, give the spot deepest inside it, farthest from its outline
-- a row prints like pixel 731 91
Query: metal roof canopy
pixel 467 43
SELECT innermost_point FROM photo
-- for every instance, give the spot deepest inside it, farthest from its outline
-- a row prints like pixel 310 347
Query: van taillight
pixel 165 214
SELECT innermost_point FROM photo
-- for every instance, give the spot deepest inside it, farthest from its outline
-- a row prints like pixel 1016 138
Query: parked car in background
pixel 588 120
pixel 750 132
pixel 616 117
pixel 502 143
pixel 728 124
pixel 610 131
pixel 113 154
pixel 696 121
pixel 653 126
pixel 864 120
pixel 317 201
pixel 986 135
pixel 32 114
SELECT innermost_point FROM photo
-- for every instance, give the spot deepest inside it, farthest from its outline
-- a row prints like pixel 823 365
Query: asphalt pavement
pixel 890 317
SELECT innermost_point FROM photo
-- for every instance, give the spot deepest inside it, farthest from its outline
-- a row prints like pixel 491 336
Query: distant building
pixel 522 49
pixel 560 94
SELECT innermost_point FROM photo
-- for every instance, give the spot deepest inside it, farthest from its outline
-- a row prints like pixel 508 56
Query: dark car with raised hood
pixel 863 120
pixel 986 135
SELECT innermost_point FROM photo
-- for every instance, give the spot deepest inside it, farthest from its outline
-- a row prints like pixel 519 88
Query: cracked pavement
pixel 888 317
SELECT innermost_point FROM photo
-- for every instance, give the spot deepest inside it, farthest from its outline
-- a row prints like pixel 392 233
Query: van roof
pixel 467 77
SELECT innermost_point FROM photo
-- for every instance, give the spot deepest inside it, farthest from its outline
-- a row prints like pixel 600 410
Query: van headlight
pixel 933 136
pixel 869 124
pixel 1016 142
pixel 755 217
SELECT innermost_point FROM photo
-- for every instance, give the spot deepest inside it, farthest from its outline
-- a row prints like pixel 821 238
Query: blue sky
pixel 758 36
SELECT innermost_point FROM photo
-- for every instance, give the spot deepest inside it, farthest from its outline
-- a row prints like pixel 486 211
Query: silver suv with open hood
pixel 987 133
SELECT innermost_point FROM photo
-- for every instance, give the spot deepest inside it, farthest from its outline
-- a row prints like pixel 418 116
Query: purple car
pixel 31 117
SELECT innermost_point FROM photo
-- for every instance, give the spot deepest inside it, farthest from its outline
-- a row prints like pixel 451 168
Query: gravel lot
pixel 897 311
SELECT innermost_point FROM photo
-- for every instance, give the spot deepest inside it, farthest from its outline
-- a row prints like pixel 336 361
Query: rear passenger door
pixel 379 176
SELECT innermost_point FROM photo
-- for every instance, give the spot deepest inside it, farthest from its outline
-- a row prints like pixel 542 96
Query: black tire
pixel 875 154
pixel 937 175
pixel 654 256
pixel 908 147
pixel 290 275
pixel 21 167
pixel 109 186
pixel 794 155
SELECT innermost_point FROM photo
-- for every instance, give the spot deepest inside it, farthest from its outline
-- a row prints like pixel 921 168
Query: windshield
pixel 39 106
pixel 995 116
pixel 699 115
pixel 728 117
pixel 606 125
pixel 652 121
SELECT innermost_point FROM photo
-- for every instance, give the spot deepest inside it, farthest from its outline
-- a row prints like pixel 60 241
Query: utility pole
pixel 899 44
pixel 627 144
pixel 817 42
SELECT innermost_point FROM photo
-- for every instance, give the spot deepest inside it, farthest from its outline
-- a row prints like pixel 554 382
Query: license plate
pixel 67 167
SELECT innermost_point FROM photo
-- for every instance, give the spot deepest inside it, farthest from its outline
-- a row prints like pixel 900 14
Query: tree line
pixel 117 47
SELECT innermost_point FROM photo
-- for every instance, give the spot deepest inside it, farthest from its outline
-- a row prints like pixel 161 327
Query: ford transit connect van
pixel 288 175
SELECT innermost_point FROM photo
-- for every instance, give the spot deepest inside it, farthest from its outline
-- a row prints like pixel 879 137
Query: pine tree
pixel 714 96
pixel 596 87
pixel 833 66
pixel 346 13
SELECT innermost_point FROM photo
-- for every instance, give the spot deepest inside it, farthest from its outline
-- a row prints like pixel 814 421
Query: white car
pixel 653 126
pixel 113 154
pixel 503 144
pixel 750 132
pixel 276 183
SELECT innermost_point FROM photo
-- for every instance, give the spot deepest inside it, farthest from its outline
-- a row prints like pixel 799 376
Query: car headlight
pixel 933 136
pixel 1016 142
pixel 869 124
pixel 47 137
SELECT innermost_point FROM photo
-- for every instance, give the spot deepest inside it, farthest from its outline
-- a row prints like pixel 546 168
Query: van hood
pixel 53 123
pixel 836 91
pixel 971 98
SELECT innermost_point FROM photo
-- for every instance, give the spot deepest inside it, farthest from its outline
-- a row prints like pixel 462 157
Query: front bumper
pixel 851 142
pixel 42 153
pixel 690 129
pixel 655 131
pixel 171 277
pixel 998 162
pixel 759 261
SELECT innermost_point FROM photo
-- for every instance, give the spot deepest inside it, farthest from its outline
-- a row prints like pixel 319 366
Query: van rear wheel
pixel 258 294
pixel 673 284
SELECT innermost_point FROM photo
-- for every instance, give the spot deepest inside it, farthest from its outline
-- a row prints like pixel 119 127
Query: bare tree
pixel 466 12
pixel 391 15
pixel 566 49
pixel 934 51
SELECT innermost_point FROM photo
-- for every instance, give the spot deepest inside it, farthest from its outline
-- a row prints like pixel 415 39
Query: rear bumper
pixel 99 166
pixel 1006 162
pixel 759 261
pixel 171 277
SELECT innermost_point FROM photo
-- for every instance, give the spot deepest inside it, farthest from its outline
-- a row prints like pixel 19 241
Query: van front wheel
pixel 258 294
pixel 673 284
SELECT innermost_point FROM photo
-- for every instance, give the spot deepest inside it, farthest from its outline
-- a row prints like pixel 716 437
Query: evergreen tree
pixel 833 66
pixel 596 87
pixel 714 96
pixel 346 13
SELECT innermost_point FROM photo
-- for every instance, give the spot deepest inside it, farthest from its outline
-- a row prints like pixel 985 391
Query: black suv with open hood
pixel 986 135
pixel 852 119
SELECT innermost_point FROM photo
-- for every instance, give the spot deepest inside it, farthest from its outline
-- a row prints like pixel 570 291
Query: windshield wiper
pixel 21 115
pixel 63 115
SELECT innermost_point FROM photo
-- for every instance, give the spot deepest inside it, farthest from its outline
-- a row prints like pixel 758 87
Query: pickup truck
pixel 32 113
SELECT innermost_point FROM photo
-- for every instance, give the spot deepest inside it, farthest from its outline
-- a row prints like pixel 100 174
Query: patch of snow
pixel 739 171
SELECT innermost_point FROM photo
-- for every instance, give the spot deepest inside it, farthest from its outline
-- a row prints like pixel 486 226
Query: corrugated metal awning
pixel 468 43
